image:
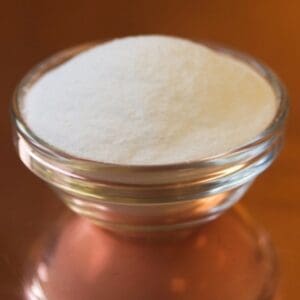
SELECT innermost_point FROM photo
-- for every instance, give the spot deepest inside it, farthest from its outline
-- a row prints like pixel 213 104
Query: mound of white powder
pixel 149 100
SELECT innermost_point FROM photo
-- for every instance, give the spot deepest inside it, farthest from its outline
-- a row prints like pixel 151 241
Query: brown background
pixel 32 30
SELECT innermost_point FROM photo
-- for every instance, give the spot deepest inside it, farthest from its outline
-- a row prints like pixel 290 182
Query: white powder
pixel 149 100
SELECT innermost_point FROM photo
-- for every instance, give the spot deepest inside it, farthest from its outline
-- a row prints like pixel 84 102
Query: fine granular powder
pixel 149 100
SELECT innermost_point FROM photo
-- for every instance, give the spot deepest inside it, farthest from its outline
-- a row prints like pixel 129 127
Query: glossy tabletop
pixel 31 215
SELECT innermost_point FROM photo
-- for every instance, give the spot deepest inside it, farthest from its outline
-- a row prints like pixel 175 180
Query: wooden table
pixel 32 30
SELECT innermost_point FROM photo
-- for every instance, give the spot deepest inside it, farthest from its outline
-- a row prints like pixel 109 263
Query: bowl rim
pixel 36 72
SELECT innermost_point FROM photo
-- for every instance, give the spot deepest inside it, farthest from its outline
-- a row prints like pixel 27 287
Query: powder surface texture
pixel 149 100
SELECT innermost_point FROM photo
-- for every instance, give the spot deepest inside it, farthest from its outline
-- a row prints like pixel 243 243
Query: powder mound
pixel 149 100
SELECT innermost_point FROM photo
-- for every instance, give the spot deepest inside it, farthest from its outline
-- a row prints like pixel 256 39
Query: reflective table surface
pixel 67 257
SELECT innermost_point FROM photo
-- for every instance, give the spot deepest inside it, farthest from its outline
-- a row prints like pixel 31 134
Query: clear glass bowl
pixel 148 198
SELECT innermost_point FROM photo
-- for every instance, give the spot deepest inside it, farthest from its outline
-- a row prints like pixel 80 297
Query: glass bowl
pixel 149 198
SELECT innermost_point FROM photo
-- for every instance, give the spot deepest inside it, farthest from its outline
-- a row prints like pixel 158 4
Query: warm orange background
pixel 32 30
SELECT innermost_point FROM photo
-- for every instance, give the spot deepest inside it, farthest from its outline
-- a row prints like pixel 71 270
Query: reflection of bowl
pixel 229 259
